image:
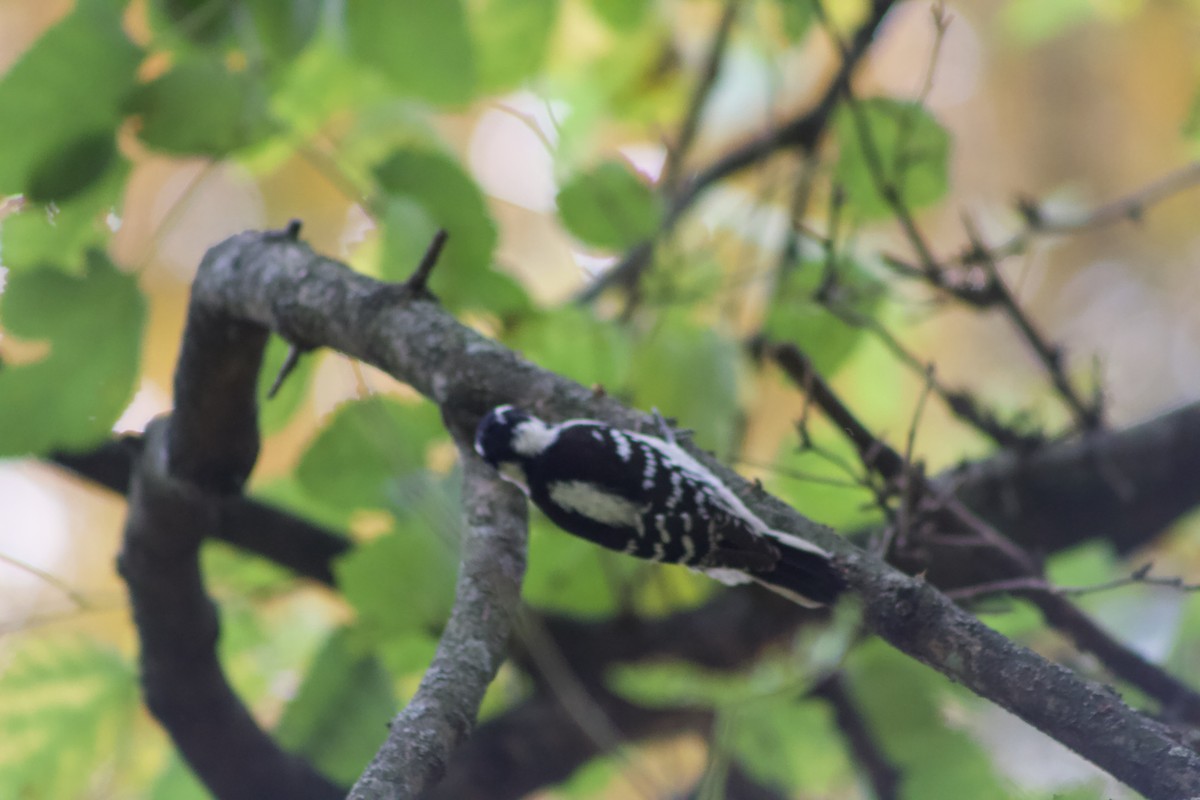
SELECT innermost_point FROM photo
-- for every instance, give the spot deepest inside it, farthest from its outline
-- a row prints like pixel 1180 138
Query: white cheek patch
pixel 532 437
pixel 589 501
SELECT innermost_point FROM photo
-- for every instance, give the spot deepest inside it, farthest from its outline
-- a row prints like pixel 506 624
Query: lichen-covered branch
pixel 282 285
pixel 474 644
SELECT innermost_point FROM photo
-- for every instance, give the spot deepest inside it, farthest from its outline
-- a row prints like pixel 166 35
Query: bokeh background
pixel 1072 104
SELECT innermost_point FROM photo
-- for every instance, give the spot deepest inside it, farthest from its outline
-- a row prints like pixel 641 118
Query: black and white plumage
pixel 649 498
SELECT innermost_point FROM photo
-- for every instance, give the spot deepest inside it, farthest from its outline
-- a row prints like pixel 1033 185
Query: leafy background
pixel 133 136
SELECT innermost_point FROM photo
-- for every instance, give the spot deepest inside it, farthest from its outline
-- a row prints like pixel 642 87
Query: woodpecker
pixel 648 497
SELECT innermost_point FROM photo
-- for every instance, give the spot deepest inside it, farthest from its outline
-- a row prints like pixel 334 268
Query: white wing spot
pixel 594 503
pixel 624 448
pixel 689 548
pixel 659 552
pixel 676 489
pixel 660 524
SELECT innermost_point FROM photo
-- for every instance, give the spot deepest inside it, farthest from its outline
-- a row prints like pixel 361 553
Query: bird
pixel 646 496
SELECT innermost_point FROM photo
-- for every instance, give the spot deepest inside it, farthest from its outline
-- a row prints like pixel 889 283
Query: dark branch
pixel 419 280
pixel 313 298
pixel 864 749
pixel 802 132
pixel 184 685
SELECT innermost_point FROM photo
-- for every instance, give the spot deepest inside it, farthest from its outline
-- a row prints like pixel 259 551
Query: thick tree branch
pixel 285 539
pixel 282 285
pixel 182 679
pixel 442 713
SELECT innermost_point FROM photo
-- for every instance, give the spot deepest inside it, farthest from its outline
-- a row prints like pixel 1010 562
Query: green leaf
pixel 897 143
pixel 178 782
pixel 59 236
pixel 680 684
pixel 572 342
pixel 691 374
pixel 572 575
pixel 340 713
pixel 427 190
pixel 906 704
pixel 400 583
pixel 65 707
pixel 202 22
pixel 424 48
pixel 285 29
pixel 787 743
pixel 64 174
pixel 797 315
pixel 62 99
pixel 201 107
pixel 609 206
pixel 363 450
pixel 623 15
pixel 511 39
pixel 71 398
pixel 798 17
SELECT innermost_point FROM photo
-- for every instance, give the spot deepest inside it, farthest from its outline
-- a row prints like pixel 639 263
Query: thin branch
pixel 292 542
pixel 1132 208
pixel 676 154
pixel 865 749
pixel 803 131
pixel 1087 416
pixel 418 282
pixel 949 512
pixel 442 713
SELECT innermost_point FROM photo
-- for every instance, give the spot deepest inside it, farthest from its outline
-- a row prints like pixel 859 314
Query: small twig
pixel 81 602
pixel 289 364
pixel 877 455
pixel 962 404
pixel 1087 417
pixel 1014 585
pixel 672 170
pixel 941 23
pixel 1131 208
pixel 803 131
pixel 418 281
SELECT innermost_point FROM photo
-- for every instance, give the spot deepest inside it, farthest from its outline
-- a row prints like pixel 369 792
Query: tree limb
pixel 473 645
pixel 282 285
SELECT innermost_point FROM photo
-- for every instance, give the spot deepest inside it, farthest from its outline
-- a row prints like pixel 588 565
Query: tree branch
pixel 442 713
pixel 284 286
pixel 177 625
pixel 803 131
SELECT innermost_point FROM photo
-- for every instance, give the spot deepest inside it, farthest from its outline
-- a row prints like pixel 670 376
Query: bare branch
pixel 419 343
pixel 442 713
pixel 864 747
pixel 803 132
pixel 184 684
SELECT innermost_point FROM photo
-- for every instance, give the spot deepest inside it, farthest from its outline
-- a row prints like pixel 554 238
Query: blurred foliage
pixel 380 97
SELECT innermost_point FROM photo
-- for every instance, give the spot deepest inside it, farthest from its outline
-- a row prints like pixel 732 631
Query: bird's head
pixel 507 436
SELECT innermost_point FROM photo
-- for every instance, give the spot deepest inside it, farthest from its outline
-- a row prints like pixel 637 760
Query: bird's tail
pixel 804 574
